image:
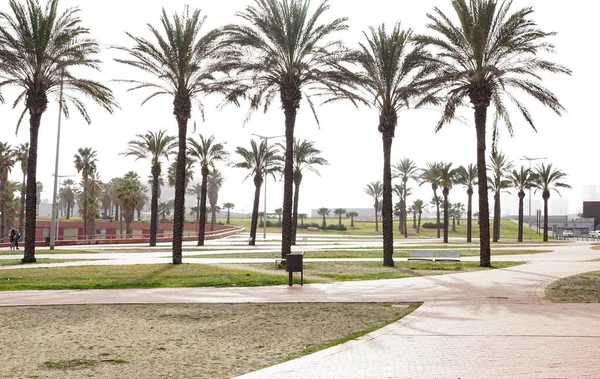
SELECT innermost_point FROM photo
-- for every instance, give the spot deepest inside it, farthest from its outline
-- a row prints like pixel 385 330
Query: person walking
pixel 12 238
pixel 17 238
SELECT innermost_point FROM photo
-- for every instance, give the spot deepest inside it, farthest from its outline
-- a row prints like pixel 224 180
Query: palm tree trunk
pixel 405 216
pixel 227 216
pixel 520 233
pixel 446 219
pixel 324 223
pixel 258 180
pixel 414 220
pixel 401 217
pixel 295 213
pixel 484 213
pixel 2 211
pixel 419 224
pixel 386 207
pixel 182 109
pixel 437 207
pixel 213 218
pixel 469 214
pixel 198 207
pixel 22 212
pixel 376 220
pixel 154 204
pixel 546 196
pixel 85 204
pixel 31 198
pixel 290 110
pixel 202 221
pixel 496 234
pixel 352 221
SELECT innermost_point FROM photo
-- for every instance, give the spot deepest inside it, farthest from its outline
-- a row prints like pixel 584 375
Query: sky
pixel 347 136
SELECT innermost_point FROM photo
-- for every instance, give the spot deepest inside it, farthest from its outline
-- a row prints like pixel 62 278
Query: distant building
pixel 364 214
pixel 591 209
pixel 558 224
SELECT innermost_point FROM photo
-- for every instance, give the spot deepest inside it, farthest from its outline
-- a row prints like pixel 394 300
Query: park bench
pixel 434 255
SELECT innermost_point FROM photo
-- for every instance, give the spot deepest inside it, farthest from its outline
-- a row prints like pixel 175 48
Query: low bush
pixel 432 225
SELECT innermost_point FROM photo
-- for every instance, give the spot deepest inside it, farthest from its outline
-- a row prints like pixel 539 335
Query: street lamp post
pixel 530 159
pixel 266 139
pixel 60 107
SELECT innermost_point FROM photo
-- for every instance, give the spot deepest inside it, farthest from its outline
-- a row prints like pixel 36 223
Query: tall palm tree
pixel 129 192
pixel 7 161
pixel 228 206
pixel 467 177
pixel 499 167
pixel 207 152
pixel 69 195
pixel 22 155
pixel 39 188
pixel 279 212
pixel 306 157
pixel 547 178
pixel 431 175
pixel 351 215
pixel 375 190
pixel 214 184
pixel 446 180
pixel 521 180
pixel 323 212
pixel 490 53
pixel 188 175
pixel 41 50
pixel 339 212
pixel 405 170
pixel 152 146
pixel 285 50
pixel 164 209
pixel 260 160
pixel 196 191
pixel 85 164
pixel 183 64
pixel 389 70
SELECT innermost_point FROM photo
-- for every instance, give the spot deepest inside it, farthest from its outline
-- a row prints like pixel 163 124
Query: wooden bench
pixel 434 255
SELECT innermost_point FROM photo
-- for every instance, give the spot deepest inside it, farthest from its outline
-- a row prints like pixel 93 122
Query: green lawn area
pixel 17 262
pixel 48 251
pixel 195 275
pixel 582 288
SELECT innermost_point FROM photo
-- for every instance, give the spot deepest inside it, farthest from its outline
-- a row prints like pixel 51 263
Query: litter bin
pixel 293 263
pixel 48 241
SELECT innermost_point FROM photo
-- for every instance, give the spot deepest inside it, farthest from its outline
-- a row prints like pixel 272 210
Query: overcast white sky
pixel 348 137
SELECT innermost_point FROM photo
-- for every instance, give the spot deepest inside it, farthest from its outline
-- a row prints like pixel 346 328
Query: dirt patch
pixel 172 340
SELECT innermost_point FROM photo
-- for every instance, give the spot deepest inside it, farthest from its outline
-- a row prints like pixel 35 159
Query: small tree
pixel 323 212
pixel 228 206
pixel 339 212
pixel 351 215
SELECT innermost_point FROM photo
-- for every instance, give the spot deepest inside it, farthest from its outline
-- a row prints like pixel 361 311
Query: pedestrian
pixel 12 238
pixel 17 238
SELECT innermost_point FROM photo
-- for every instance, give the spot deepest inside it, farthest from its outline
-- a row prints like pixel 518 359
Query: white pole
pixel 53 223
pixel 265 206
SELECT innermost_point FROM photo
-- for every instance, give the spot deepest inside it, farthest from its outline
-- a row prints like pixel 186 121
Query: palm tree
pixel 164 209
pixel 279 212
pixel 405 169
pixel 215 181
pixel 39 188
pixel 22 155
pixel 207 152
pixel 522 180
pixel 375 190
pixel 390 69
pixel 547 179
pixel 490 53
pixel 41 50
pixel 306 156
pixel 69 196
pixel 302 216
pixel 285 51
pixel 152 146
pixel 418 208
pixel 188 175
pixel 431 175
pixel 228 206
pixel 196 191
pixel 351 215
pixel 129 192
pixel 446 180
pixel 7 161
pixel 499 167
pixel 402 193
pixel 324 212
pixel 467 177
pixel 142 201
pixel 260 160
pixel 183 63
pixel 85 164
pixel 339 212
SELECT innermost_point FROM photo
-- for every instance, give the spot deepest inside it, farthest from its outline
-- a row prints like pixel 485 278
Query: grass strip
pixel 582 288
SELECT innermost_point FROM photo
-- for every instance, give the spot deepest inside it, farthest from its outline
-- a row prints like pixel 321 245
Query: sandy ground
pixel 172 340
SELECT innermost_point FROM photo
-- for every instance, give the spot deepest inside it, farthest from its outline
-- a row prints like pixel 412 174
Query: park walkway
pixel 472 325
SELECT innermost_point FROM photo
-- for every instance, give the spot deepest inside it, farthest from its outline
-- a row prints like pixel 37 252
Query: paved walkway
pixel 471 325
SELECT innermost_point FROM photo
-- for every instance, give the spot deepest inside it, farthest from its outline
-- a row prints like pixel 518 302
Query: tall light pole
pixel 60 107
pixel 530 159
pixel 266 139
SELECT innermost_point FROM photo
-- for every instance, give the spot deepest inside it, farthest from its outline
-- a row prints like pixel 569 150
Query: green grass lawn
pixel 195 275
pixel 582 288
pixel 17 262
pixel 48 251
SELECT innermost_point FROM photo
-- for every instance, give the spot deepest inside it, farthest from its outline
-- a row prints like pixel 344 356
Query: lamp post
pixel 55 219
pixel 524 158
pixel 60 107
pixel 266 139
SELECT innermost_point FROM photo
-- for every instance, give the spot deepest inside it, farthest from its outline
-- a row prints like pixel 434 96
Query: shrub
pixel 311 224
pixel 337 227
pixel 432 225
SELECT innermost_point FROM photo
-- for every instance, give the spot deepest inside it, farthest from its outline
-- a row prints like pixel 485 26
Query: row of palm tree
pixel 282 48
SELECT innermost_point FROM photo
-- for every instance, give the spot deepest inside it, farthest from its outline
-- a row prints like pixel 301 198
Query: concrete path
pixel 471 325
